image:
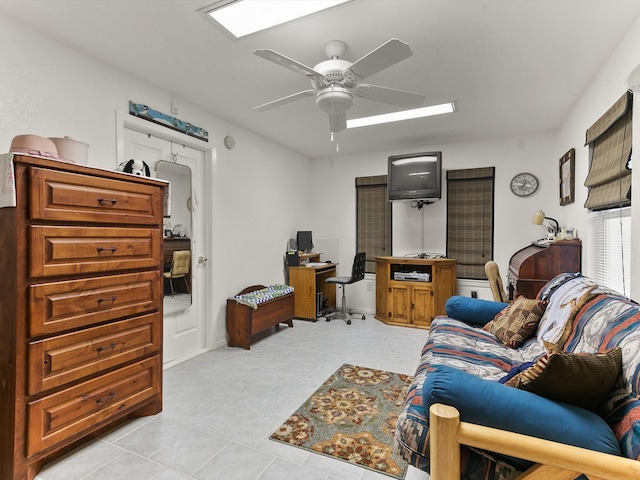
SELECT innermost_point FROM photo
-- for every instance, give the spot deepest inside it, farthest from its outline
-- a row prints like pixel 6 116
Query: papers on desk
pixel 314 264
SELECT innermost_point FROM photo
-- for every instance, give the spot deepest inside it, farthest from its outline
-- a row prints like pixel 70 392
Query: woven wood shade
pixel 373 222
pixel 470 198
pixel 609 179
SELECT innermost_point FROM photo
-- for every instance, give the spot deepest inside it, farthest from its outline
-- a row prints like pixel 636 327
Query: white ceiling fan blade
pixel 283 100
pixel 382 57
pixel 389 95
pixel 337 123
pixel 289 63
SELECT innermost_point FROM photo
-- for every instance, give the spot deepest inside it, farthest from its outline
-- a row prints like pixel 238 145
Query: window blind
pixel 373 219
pixel 609 138
pixel 470 210
pixel 609 235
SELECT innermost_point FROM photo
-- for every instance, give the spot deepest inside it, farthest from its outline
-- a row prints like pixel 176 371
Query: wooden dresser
pixel 81 308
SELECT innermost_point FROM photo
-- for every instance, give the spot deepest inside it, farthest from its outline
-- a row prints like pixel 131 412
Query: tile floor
pixel 221 407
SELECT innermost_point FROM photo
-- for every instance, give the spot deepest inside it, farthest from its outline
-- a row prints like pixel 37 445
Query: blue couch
pixel 462 366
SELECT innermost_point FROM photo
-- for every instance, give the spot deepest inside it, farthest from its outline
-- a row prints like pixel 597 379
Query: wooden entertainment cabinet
pixel 409 302
pixel 81 306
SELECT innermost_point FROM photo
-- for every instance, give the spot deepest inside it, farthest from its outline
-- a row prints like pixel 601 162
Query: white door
pixel 184 324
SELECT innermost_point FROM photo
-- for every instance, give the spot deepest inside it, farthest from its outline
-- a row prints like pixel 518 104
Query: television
pixel 414 176
pixel 305 241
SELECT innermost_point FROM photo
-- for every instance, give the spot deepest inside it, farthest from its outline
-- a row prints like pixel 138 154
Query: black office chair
pixel 357 274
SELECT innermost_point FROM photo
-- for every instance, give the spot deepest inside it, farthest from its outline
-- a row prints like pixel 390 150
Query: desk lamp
pixel 538 219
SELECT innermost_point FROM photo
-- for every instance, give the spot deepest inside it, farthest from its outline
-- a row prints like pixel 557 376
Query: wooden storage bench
pixel 243 321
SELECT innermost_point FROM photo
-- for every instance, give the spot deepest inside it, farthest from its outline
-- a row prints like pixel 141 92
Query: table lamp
pixel 538 219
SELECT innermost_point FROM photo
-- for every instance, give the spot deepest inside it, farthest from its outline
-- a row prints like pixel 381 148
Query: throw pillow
pixel 517 322
pixel 472 311
pixel 580 379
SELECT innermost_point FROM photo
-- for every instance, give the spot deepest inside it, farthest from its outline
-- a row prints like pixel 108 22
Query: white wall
pixel 254 201
pixel 608 86
pixel 538 153
pixel 513 228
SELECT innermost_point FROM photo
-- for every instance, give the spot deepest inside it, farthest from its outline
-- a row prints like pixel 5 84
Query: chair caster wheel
pixel 363 317
pixel 328 319
pixel 348 322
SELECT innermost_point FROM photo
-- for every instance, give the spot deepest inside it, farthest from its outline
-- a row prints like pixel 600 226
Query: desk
pixel 307 282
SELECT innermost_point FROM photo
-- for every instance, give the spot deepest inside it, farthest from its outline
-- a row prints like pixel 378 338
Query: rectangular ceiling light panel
pixel 244 17
pixel 402 115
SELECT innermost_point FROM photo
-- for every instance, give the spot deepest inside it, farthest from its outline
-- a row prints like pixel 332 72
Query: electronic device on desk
pixel 430 255
pixel 412 276
pixel 305 241
pixel 415 176
pixel 542 242
pixel 293 259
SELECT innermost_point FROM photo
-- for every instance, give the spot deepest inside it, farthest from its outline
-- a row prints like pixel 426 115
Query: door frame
pixel 124 121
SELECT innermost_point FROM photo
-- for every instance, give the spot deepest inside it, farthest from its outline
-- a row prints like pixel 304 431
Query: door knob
pixel 202 259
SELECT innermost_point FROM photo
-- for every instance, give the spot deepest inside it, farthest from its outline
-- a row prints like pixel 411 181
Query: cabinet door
pixel 444 285
pixel 401 303
pixel 422 305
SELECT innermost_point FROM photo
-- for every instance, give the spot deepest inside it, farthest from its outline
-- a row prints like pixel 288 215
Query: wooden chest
pixel 243 322
pixel 81 305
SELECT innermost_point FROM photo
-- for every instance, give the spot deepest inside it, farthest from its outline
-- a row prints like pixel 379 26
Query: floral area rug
pixel 352 417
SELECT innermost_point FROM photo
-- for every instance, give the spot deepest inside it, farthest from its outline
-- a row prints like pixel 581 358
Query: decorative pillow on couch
pixel 472 311
pixel 580 379
pixel 518 322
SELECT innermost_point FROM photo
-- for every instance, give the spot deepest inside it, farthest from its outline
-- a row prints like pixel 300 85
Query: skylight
pixel 244 17
pixel 402 115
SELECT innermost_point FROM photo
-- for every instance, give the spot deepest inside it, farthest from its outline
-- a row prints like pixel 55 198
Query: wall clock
pixel 524 184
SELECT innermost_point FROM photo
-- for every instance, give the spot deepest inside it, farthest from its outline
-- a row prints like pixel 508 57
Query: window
pixel 373 219
pixel 470 195
pixel 609 240
pixel 609 199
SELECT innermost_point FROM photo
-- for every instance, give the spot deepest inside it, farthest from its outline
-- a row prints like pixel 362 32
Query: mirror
pixel 177 235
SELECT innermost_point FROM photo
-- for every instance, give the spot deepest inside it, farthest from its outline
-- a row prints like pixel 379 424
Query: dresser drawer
pixel 73 197
pixel 61 306
pixel 65 358
pixel 86 407
pixel 77 250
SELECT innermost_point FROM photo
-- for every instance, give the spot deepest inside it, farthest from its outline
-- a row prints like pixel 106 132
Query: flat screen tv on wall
pixel 415 176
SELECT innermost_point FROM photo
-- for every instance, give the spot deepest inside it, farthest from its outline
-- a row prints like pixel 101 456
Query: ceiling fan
pixel 336 81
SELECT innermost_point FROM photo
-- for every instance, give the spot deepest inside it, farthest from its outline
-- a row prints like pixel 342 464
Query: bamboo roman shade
pixel 373 219
pixel 470 207
pixel 609 179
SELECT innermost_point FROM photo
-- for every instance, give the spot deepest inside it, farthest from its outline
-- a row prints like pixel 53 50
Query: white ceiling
pixel 511 66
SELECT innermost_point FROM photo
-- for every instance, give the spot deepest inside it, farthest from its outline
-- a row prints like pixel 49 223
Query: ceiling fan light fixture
pixel 432 110
pixel 244 17
pixel 334 100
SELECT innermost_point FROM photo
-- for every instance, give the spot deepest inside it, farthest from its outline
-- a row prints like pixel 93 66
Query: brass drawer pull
pixel 102 201
pixel 106 399
pixel 108 347
pixel 111 249
pixel 112 298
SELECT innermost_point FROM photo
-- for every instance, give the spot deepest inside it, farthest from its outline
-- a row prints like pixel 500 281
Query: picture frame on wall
pixel 568 177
